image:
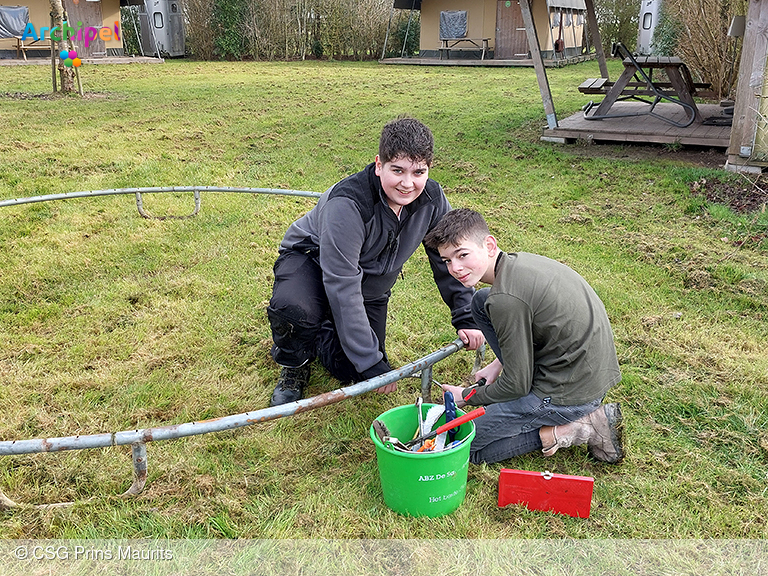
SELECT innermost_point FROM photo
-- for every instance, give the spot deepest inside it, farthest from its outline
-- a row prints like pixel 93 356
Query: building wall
pixel 40 10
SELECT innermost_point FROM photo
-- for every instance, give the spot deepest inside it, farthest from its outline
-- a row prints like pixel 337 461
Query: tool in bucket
pixel 449 408
pixel 419 430
pixel 390 441
pixel 450 412
pixel 382 431
pixel 433 414
pixel 426 423
pixel 455 423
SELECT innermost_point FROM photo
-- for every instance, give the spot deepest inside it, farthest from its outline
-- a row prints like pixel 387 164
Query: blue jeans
pixel 511 428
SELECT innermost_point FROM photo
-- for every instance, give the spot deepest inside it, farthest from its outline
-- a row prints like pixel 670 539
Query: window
pixel 158 19
pixel 647 21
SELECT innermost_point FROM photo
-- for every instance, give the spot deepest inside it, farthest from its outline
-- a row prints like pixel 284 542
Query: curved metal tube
pixel 138 438
pixel 117 191
pixel 145 214
pixel 10 447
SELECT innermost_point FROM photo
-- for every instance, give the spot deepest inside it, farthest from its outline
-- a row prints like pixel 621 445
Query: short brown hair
pixel 406 138
pixel 456 226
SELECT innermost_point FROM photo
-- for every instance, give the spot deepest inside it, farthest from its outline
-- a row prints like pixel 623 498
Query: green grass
pixel 111 322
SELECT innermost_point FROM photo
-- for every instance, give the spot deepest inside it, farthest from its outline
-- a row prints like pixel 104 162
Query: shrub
pixel 369 27
pixel 397 34
pixel 618 22
pixel 697 31
pixel 129 19
pixel 200 32
pixel 229 17
pixel 287 29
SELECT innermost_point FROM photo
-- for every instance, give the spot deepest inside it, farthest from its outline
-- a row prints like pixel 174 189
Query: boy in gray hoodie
pixel 338 263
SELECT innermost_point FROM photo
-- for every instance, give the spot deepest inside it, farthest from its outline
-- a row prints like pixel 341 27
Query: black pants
pixel 301 319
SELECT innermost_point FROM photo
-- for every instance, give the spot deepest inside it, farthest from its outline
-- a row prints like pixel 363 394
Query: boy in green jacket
pixel 555 355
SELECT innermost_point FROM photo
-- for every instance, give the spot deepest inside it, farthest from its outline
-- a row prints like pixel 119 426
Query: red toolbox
pixel 571 495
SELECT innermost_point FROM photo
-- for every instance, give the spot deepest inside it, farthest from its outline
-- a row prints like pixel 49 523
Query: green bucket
pixel 422 484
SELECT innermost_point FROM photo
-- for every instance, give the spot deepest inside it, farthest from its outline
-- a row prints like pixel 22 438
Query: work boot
pixel 290 385
pixel 601 431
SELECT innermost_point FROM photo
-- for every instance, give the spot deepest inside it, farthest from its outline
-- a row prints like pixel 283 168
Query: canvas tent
pixel 95 13
pixel 501 22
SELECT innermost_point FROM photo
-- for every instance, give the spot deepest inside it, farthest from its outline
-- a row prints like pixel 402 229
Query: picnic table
pixel 636 82
pixel 30 44
pixel 448 44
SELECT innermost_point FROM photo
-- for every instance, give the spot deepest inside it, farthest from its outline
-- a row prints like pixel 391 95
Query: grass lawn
pixel 112 322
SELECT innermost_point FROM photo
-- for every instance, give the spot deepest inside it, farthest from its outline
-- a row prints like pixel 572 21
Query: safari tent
pixel 560 26
pixel 92 13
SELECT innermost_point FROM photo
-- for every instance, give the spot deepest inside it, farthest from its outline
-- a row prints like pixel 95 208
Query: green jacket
pixel 554 334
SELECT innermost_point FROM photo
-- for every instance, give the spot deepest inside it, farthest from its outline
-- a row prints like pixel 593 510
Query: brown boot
pixel 601 431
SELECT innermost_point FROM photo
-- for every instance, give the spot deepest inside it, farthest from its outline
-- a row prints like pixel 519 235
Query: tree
pixel 66 73
pixel 618 21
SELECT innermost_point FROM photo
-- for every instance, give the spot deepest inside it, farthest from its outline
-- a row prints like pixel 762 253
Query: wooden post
pixel 538 64
pixel 750 86
pixel 53 60
pixel 594 31
pixel 386 36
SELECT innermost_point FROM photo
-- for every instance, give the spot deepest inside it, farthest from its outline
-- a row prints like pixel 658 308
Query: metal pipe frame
pixel 118 191
pixel 174 431
pixel 138 439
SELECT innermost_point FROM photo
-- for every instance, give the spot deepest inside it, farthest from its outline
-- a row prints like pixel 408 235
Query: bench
pixel 603 85
pixel 31 44
pixel 449 44
pixel 595 86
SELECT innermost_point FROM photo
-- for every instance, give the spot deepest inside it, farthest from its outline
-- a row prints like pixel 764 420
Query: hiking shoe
pixel 601 431
pixel 606 444
pixel 290 385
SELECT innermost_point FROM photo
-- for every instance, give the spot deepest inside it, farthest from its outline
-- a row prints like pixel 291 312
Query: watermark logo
pixel 85 34
pixel 70 59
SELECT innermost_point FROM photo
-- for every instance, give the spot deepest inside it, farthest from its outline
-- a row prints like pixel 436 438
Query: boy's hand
pixel 490 372
pixel 388 389
pixel 456 391
pixel 472 339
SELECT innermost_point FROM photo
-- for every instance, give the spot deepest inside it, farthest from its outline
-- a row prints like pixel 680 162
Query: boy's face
pixel 402 180
pixel 469 262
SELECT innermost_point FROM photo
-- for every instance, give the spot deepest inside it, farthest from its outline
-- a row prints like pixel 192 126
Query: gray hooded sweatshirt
pixel 362 246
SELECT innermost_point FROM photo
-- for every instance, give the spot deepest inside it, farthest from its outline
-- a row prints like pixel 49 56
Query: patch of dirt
pixel 53 96
pixel 744 197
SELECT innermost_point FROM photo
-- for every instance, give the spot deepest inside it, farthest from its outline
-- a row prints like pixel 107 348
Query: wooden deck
pixel 643 129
